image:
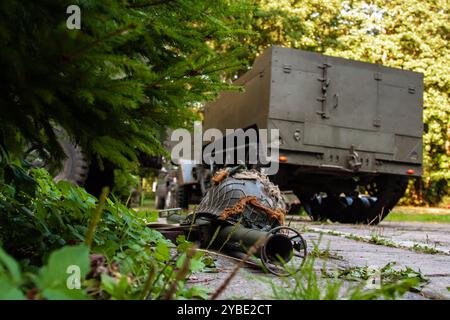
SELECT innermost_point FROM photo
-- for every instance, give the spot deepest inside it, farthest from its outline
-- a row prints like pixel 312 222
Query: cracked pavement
pixel 354 252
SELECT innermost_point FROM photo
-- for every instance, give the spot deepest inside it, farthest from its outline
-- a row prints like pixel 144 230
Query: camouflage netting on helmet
pixel 244 196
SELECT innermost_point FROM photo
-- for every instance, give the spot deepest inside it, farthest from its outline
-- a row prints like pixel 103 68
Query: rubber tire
pixel 159 202
pixel 99 177
pixel 315 212
pixel 182 197
pixel 390 189
pixel 75 166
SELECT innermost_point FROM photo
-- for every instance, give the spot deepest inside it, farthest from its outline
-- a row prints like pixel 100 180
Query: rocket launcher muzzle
pixel 274 248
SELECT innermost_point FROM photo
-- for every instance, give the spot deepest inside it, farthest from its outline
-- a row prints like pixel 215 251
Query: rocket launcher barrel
pixel 242 213
pixel 276 247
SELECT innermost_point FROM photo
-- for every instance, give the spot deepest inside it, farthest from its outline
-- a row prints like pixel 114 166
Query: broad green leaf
pixel 117 288
pixel 55 278
pixel 8 291
pixel 162 252
pixel 108 283
pixel 11 265
pixel 64 294
pixel 198 292
pixel 195 264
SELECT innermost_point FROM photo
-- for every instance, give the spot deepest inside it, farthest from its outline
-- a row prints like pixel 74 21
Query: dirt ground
pixel 350 245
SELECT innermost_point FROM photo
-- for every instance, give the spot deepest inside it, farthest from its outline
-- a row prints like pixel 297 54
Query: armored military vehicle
pixel 350 131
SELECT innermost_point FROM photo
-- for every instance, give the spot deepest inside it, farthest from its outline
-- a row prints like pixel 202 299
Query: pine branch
pixel 149 4
pixel 98 41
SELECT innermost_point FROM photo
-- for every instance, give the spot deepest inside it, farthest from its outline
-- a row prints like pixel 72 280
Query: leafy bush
pixel 115 84
pixel 387 275
pixel 44 228
pixel 307 284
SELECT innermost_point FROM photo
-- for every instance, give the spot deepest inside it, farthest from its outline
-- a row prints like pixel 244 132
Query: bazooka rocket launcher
pixel 243 212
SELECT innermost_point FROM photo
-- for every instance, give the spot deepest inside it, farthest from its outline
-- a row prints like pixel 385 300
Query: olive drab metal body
pixel 350 132
pixel 333 114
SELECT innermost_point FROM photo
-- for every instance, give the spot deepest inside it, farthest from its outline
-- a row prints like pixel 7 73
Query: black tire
pixel 170 199
pixel 313 207
pixel 159 202
pixel 387 189
pixel 100 177
pixel 182 197
pixel 371 206
pixel 75 166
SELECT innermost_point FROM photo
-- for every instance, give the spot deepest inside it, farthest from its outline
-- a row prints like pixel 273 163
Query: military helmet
pixel 244 196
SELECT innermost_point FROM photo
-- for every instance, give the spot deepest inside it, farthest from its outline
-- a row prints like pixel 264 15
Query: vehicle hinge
pixel 377 122
pixel 261 73
pixel 324 66
pixel 287 68
pixel 325 84
pixel 378 76
pixel 354 161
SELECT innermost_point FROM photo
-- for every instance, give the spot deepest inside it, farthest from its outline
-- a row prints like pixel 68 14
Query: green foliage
pixel 378 239
pixel 424 249
pixel 386 274
pixel 52 279
pixel 10 278
pixel 326 254
pixel 116 84
pixel 424 217
pixel 410 35
pixel 307 284
pixel 33 224
pixel 309 25
pixel 37 227
pixel 116 288
pixel 124 184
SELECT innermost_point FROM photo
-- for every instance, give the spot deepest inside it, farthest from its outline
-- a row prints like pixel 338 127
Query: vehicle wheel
pixel 370 204
pixel 100 177
pixel 313 206
pixel 170 200
pixel 73 168
pixel 159 202
pixel 182 193
pixel 380 196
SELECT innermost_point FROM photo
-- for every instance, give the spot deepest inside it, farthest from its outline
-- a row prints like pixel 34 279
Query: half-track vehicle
pixel 350 132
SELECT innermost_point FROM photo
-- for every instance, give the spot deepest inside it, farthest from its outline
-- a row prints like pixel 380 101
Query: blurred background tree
pixel 137 67
pixel 410 35
pixel 134 68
